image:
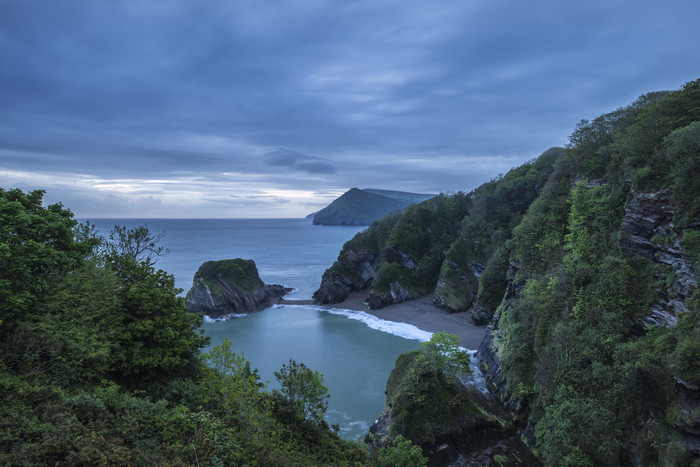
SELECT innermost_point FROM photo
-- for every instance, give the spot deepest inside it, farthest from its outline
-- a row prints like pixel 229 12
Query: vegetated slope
pixel 410 198
pixel 101 364
pixel 361 207
pixel 442 246
pixel 590 264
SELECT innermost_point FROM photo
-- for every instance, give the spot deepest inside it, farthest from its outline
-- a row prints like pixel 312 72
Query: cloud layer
pixel 240 108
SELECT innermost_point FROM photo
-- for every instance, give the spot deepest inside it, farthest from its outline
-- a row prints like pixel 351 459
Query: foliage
pixel 571 341
pixel 424 401
pixel 403 453
pixel 242 272
pixel 100 363
pixel 449 357
pixel 36 243
pixel 302 391
pixel 137 244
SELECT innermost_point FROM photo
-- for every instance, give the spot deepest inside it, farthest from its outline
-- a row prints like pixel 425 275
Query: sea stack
pixel 231 287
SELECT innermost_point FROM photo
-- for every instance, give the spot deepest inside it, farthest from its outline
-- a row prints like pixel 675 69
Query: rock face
pixel 355 274
pixel 453 423
pixel 230 287
pixel 396 294
pixel 457 288
pixel 647 231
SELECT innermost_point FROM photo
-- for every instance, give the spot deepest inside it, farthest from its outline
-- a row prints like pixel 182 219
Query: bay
pixel 354 351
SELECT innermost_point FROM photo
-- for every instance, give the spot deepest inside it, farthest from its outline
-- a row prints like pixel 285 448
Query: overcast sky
pixel 236 108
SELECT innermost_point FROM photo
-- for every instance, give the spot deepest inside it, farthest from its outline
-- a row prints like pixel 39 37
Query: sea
pixel 355 351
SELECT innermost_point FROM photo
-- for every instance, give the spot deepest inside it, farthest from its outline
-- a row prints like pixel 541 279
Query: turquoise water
pixel 355 359
pixel 354 351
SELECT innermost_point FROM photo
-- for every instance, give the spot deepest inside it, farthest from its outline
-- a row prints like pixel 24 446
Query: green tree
pixel 157 333
pixel 302 391
pixel 402 453
pixel 138 244
pixel 449 357
pixel 36 243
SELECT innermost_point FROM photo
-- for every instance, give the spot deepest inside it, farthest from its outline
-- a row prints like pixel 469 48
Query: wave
pixel 221 319
pixel 407 331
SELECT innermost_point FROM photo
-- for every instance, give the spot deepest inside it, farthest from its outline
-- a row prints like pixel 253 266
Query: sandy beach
pixel 420 313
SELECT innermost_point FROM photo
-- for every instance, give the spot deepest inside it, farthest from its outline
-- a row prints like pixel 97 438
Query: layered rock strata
pixel 231 287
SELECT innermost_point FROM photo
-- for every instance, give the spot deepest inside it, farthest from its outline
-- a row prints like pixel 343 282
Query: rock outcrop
pixel 231 287
pixel 648 231
pixel 353 274
pixel 453 423
pixel 395 294
pixel 457 288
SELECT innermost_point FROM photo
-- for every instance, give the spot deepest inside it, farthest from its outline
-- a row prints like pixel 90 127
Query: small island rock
pixel 230 287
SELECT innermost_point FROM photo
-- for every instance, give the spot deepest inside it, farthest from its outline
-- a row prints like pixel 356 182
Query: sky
pixel 264 108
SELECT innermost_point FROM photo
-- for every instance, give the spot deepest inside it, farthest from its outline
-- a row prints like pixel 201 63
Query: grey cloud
pixel 294 160
pixel 127 88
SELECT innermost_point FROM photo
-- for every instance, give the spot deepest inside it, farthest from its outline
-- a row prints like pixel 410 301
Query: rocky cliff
pixel 352 272
pixel 231 287
pixel 648 231
pixel 450 419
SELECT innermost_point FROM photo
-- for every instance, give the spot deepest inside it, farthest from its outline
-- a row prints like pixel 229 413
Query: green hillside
pixel 585 263
pixel 362 207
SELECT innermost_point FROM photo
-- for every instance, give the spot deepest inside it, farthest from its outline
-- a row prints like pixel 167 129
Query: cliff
pixel 585 263
pixel 362 207
pixel 448 417
pixel 450 246
pixel 230 287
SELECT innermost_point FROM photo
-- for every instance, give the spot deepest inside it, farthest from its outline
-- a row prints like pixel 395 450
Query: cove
pixel 355 359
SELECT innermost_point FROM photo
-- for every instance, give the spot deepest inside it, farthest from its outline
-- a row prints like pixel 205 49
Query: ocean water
pixel 353 350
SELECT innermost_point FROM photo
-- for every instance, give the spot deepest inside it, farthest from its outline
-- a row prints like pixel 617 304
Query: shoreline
pixel 420 313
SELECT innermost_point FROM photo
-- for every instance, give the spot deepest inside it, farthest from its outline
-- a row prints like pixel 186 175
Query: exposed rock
pixel 396 294
pixel 492 368
pixel 688 422
pixel 480 315
pixel 645 214
pixel 357 272
pixel 647 231
pixel 230 287
pixel 456 288
pixel 454 424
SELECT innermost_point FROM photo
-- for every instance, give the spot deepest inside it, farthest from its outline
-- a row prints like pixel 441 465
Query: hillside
pixel 361 207
pixel 585 263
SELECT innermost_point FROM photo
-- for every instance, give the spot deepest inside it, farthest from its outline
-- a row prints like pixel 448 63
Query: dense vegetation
pixel 602 387
pixel 100 363
pixel 449 240
pixel 550 249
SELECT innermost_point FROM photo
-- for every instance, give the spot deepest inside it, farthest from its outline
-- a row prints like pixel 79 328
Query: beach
pixel 420 313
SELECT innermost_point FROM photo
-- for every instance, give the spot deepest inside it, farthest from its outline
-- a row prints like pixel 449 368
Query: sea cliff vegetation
pixel 101 364
pixel 584 261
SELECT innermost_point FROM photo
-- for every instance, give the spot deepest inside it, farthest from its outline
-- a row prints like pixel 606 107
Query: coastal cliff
pixel 588 277
pixel 231 287
pixel 447 416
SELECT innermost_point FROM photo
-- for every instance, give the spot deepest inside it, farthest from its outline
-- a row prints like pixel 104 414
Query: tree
pixel 157 332
pixel 302 391
pixel 36 243
pixel 403 453
pixel 138 243
pixel 449 356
